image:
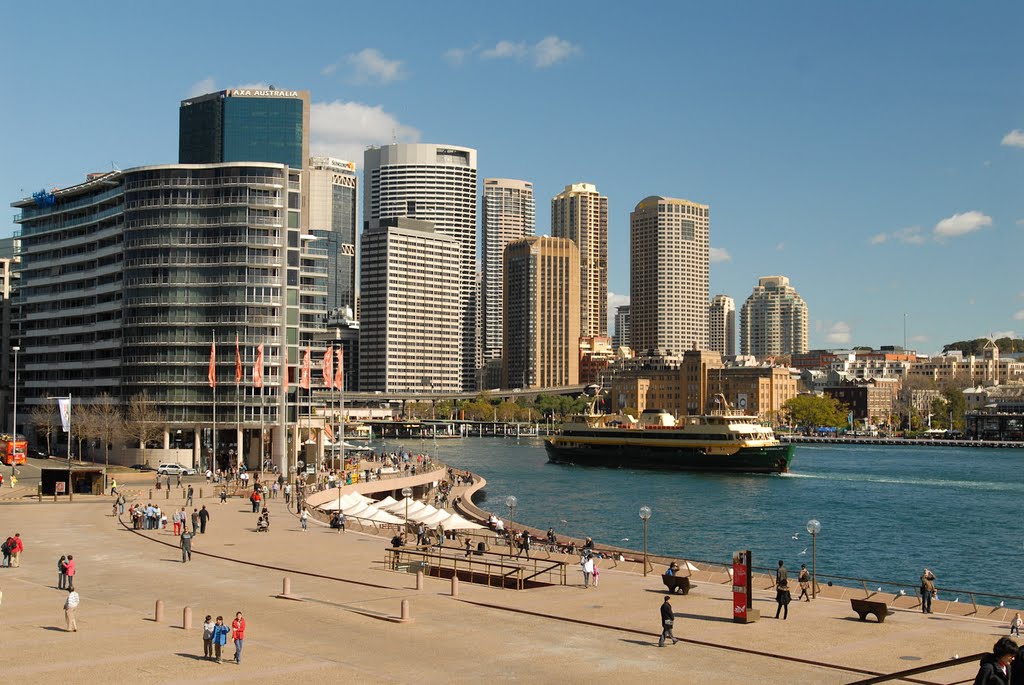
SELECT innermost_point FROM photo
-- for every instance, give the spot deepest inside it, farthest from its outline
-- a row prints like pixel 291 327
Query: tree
pixel 811 411
pixel 44 420
pixel 109 424
pixel 83 425
pixel 144 422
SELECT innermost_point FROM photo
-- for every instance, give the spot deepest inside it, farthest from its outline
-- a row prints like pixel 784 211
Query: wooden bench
pixel 674 583
pixel 863 607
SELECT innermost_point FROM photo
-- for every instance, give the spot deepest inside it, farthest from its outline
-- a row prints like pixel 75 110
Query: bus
pixel 13 451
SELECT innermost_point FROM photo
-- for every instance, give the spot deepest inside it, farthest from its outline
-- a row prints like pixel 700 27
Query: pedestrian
pixel 113 486
pixel 176 520
pixel 781 575
pixel 469 547
pixel 238 635
pixel 667 621
pixel 178 484
pixel 304 520
pixel 7 548
pixel 186 546
pixel 587 564
pixel 596 576
pixel 16 550
pixel 195 519
pixel 287 494
pixel 204 516
pixel 188 496
pixel 782 598
pixel 208 626
pixel 995 667
pixel 224 495
pixel 70 604
pixel 220 637
pixel 121 501
pixel 1015 624
pixel 70 571
pixel 62 573
pixel 255 499
pixel 927 591
pixel 805 583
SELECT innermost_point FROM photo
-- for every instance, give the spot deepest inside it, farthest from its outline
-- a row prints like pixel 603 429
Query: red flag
pixel 329 367
pixel 257 368
pixel 284 371
pixel 328 432
pixel 339 375
pixel 238 362
pixel 211 373
pixel 306 371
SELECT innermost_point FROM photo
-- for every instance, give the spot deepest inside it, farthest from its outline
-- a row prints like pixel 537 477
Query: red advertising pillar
pixel 742 597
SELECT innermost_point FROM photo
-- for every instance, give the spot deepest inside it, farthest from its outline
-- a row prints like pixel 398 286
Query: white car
pixel 174 470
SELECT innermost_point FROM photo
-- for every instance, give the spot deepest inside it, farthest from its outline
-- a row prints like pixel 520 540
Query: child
pixel 597 573
pixel 1015 624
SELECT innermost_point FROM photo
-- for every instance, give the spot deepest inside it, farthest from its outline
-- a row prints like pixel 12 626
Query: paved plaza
pixel 342 630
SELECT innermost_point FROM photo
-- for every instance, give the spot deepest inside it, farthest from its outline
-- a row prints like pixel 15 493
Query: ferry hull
pixel 772 459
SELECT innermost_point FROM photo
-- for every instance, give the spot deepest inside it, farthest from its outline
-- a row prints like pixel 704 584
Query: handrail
pixel 900 675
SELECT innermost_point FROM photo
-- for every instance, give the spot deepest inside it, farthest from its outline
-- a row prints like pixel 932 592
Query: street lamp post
pixel 511 502
pixel 406 494
pixel 14 429
pixel 645 516
pixel 814 527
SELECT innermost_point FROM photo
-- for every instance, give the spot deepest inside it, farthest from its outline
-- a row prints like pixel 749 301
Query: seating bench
pixel 863 607
pixel 674 583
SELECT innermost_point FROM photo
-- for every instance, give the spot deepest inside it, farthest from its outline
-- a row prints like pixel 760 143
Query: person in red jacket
pixel 238 635
pixel 19 547
pixel 70 565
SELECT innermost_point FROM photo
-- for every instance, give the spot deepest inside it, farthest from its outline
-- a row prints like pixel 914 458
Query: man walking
pixel 188 496
pixel 195 519
pixel 70 604
pixel 238 635
pixel 204 516
pixel 927 591
pixel 667 620
pixel 186 546
pixel 16 550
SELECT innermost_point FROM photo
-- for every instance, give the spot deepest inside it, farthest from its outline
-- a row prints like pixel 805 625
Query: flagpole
pixel 213 380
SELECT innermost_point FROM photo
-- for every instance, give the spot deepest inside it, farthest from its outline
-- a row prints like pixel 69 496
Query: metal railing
pixel 490 568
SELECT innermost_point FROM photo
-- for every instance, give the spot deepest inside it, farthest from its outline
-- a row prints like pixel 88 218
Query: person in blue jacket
pixel 220 637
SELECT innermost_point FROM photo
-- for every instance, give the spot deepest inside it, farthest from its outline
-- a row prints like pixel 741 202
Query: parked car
pixel 174 470
pixel 141 467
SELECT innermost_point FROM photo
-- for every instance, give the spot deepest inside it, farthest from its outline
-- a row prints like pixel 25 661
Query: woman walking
pixel 782 597
pixel 208 626
pixel 805 582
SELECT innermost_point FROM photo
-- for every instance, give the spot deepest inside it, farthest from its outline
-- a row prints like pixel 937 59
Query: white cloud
pixel 911 235
pixel 369 65
pixel 456 55
pixel 1004 334
pixel 207 85
pixel 345 129
pixel 918 339
pixel 1014 138
pixel 840 332
pixel 544 53
pixel 1019 315
pixel 719 254
pixel 616 300
pixel 780 247
pixel 878 238
pixel 962 224
pixel 1020 222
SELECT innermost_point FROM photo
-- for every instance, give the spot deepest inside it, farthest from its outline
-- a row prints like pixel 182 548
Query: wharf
pixel 909 442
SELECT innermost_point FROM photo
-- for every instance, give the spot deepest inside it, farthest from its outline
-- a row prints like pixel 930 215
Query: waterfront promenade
pixel 341 631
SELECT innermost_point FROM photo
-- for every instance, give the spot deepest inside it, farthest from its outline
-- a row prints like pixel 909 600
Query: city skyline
pixel 880 180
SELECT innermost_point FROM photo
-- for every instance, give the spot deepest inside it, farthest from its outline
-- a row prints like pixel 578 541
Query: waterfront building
pixel 245 125
pixel 541 347
pixel 9 337
pixel 954 367
pixel 332 220
pixel 438 184
pixel 509 214
pixel 410 327
pixel 773 320
pixel 722 325
pixel 870 402
pixel 669 276
pixel 580 213
pixel 129 277
pixel 596 355
pixel 621 336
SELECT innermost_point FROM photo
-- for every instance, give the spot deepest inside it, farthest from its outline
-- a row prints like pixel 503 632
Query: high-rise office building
pixel 542 317
pixel 621 336
pixel 410 326
pixel 245 125
pixel 773 320
pixel 435 183
pixel 332 220
pixel 508 214
pixel 580 214
pixel 669 276
pixel 129 277
pixel 722 325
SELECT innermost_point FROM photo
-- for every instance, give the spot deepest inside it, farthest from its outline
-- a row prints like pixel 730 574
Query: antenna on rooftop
pixel 114 166
pixel 394 140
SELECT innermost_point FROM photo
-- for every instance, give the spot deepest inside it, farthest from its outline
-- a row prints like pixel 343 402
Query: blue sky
pixel 873 152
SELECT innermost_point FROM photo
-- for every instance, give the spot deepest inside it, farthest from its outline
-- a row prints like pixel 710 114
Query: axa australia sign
pixel 247 93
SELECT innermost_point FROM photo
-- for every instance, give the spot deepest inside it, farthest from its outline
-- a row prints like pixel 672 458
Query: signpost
pixel 742 586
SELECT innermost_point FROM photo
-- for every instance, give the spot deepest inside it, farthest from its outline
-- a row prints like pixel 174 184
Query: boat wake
pixel 924 482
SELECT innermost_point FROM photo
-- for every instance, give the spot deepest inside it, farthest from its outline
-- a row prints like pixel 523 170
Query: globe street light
pixel 645 516
pixel 406 493
pixel 511 502
pixel 814 527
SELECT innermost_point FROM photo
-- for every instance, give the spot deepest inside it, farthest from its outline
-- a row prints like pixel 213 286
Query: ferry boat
pixel 724 440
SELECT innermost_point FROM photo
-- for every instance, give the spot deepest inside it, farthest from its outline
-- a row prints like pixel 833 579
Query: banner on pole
pixel 257 369
pixel 64 404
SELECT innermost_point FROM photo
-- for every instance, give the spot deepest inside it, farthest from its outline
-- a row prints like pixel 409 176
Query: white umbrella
pixel 424 512
pixel 456 522
pixel 379 516
pixel 399 507
pixel 437 517
pixel 386 502
pixel 358 509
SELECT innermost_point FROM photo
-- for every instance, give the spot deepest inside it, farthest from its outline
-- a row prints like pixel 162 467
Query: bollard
pixel 419 580
pixel 168 494
pixel 186 618
pixel 151 493
pixel 286 586
pixel 455 586
pixel 405 610
pixel 158 613
pixel 200 493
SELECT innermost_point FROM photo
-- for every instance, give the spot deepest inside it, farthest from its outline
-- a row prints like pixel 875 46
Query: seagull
pixel 956 656
pixel 562 521
pixel 796 536
pixel 879 589
pixel 803 553
pixel 903 592
pixel 1002 604
pixel 956 600
pixel 625 539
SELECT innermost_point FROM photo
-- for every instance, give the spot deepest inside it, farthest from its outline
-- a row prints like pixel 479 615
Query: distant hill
pixel 975 347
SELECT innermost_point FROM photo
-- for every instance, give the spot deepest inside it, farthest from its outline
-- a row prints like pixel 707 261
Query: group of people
pixel 215 636
pixel 12 548
pixel 783 595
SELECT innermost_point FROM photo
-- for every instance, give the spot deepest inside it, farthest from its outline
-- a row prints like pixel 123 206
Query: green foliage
pixel 811 411
pixel 977 346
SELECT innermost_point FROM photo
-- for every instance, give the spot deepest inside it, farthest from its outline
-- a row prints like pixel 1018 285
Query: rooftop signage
pixel 245 93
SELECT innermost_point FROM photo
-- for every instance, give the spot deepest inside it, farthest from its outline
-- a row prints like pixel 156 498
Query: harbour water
pixel 886 511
